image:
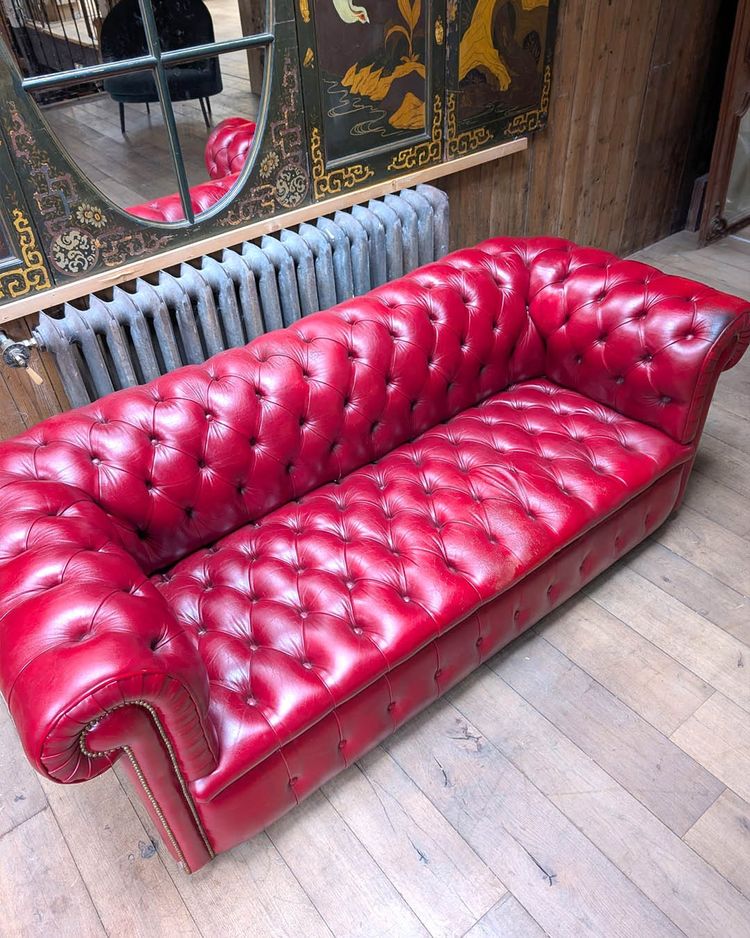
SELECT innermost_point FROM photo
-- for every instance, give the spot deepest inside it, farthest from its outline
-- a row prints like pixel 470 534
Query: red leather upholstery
pixel 226 151
pixel 506 473
pixel 228 145
pixel 299 612
pixel 168 208
pixel 298 768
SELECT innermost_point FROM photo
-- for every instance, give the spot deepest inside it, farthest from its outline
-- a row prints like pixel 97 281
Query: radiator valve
pixel 17 354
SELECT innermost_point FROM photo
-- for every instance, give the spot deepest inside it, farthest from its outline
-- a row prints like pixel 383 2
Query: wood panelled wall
pixel 617 161
pixel 612 170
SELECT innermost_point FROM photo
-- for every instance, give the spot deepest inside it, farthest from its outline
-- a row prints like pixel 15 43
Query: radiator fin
pixel 184 315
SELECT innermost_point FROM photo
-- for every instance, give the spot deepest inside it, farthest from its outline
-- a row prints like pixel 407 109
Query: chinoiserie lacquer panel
pixel 373 81
pixel 499 70
pixel 23 267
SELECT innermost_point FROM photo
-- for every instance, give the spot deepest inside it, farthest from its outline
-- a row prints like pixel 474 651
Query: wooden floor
pixel 592 780
pixel 137 167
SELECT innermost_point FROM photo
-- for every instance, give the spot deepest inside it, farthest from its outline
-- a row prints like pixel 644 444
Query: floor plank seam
pixel 593 844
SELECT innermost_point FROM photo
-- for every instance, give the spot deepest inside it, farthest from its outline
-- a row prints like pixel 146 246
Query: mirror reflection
pixel 116 128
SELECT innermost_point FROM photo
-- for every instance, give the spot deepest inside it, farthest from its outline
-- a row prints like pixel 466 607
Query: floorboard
pixel 592 780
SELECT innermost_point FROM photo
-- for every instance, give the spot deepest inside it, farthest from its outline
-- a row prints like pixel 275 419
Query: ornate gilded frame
pixel 23 269
pixel 77 231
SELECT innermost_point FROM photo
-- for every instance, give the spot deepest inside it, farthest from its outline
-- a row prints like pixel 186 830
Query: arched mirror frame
pixel 81 231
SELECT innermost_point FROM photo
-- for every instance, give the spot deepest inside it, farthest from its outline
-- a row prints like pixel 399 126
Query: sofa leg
pixel 122 118
pixel 148 109
pixel 205 112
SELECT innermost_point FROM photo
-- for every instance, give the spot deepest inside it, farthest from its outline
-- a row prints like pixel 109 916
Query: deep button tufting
pixel 338 575
pixel 520 330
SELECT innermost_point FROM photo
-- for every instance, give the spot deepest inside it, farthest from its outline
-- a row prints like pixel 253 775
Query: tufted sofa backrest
pixel 647 344
pixel 182 460
pixel 179 462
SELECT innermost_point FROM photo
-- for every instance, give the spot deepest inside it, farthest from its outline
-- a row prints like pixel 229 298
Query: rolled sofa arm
pixel 647 344
pixel 83 633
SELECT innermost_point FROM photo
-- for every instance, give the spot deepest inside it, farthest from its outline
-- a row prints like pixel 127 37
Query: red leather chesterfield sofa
pixel 226 150
pixel 242 576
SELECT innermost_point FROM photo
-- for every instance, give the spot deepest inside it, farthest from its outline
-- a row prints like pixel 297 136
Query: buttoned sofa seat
pixel 300 611
pixel 240 577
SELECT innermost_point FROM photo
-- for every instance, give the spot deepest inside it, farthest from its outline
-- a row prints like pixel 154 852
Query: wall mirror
pixel 156 101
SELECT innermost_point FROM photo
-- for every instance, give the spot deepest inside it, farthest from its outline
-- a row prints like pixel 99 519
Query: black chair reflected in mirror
pixel 180 23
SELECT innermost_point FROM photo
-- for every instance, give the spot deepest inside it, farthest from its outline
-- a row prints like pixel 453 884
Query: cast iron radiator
pixel 187 313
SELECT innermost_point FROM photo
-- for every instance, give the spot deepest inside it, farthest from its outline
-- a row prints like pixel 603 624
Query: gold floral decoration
pixel 90 216
pixel 439 31
pixel 410 13
pixel 31 276
pixel 268 164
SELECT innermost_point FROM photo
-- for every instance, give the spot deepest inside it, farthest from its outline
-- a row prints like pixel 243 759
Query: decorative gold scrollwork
pixel 439 31
pixel 32 276
pixel 336 180
pixel 423 154
pixel 530 121
pixel 459 144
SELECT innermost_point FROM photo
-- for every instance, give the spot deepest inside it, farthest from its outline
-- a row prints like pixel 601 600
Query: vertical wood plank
pixel 431 866
pixel 718 734
pixel 118 859
pixel 21 794
pixel 507 919
pixel 706 650
pixel 248 891
pixel 650 682
pixel 342 879
pixel 722 837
